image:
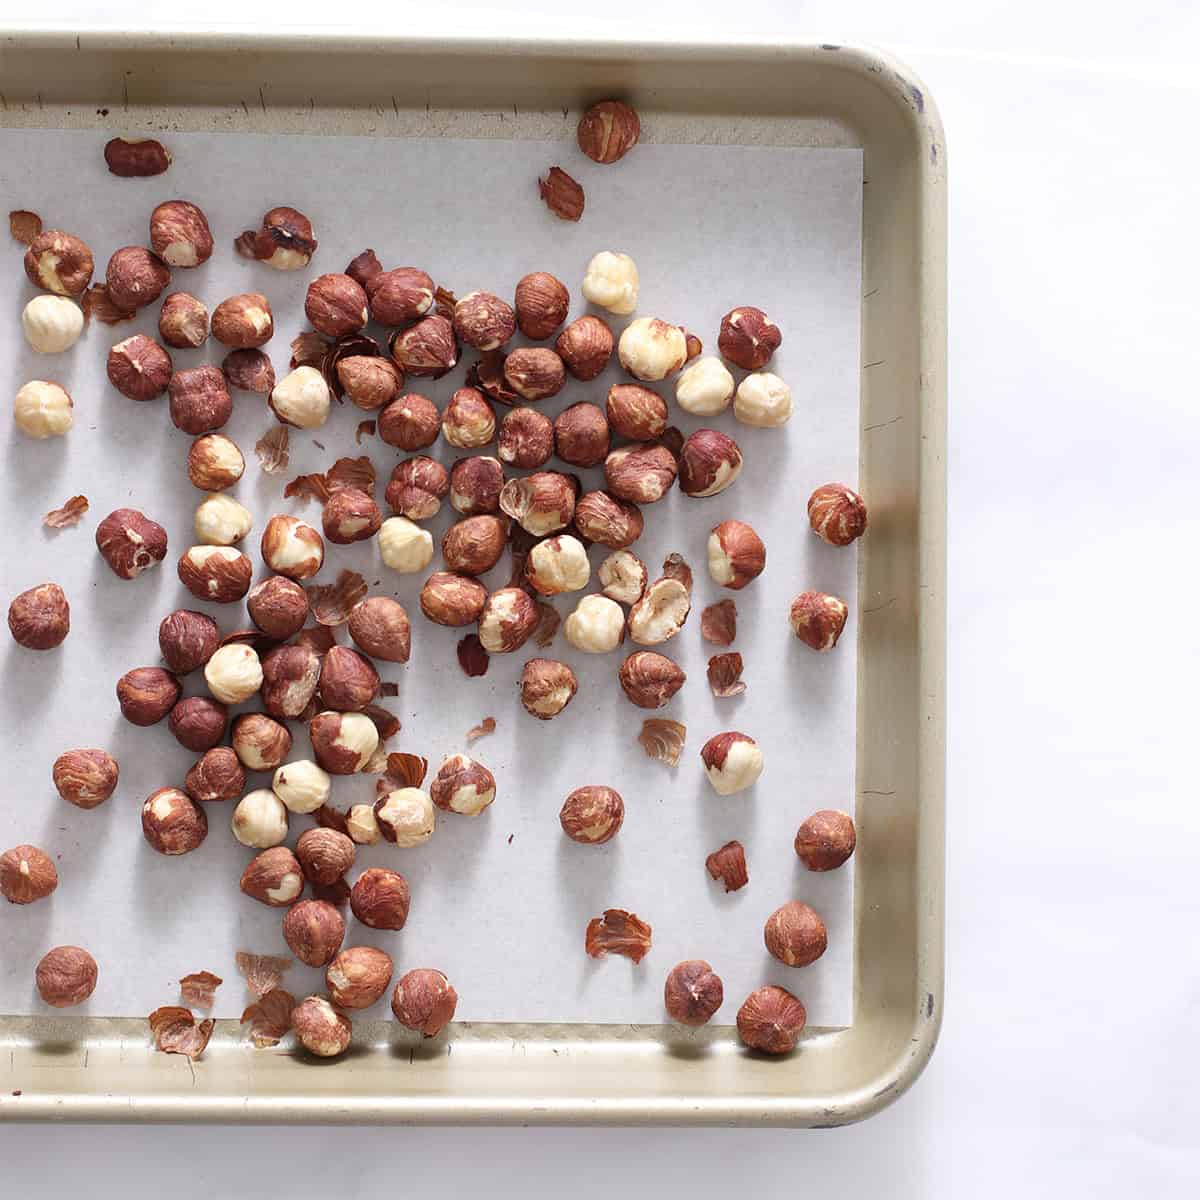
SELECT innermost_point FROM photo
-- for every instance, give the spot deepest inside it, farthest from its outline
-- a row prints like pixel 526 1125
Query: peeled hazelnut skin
pixel 147 694
pixel 342 742
pixel 709 462
pixel 278 606
pixel 608 131
pixel 535 373
pixel 623 577
pixel 348 680
pixel 400 295
pixel 463 785
pixel 541 302
pixel 139 368
pixel 130 542
pixel 416 488
pixel 641 474
pixel 214 463
pixel 541 503
pixel 132 158
pixel 183 321
pixel 27 874
pixel 795 934
pixel 198 723
pixel 273 877
pixel 592 815
pixel 526 438
pixel 825 840
pixel 66 976
pixel 563 195
pixel 475 485
pixel 358 976
pixel 736 554
pixel 59 262
pixel 771 1020
pixel 649 680
pixel 364 266
pixel 454 600
pixel 325 855
pixel 335 305
pixel 260 742
pixel 243 322
pixel 372 383
pixel 380 627
pixel 837 514
pixel 172 822
pixel 200 401
pixel 423 1000
pixel 290 676
pixel 215 776
pixel 468 421
pixel 732 761
pixel 507 621
pixel 179 234
pixel 285 240
pixel 427 348
pixel 585 347
pixel 135 277
pixel 636 412
pixel 85 778
pixel 187 640
pixel 484 321
pixel 474 545
pixel 661 612
pixel 693 993
pixel 313 930
pixel 547 687
pixel 612 522
pixel 748 338
pixel 410 422
pixel 217 573
pixel 380 899
pixel 350 516
pixel 292 547
pixel 581 435
pixel 818 620
pixel 40 618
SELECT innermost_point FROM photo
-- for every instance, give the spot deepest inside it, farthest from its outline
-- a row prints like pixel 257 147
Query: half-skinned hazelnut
pixel 172 822
pixel 243 322
pixel 179 234
pixel 380 898
pixel 405 817
pixel 453 600
pixel 650 680
pixel 292 547
pixel 468 421
pixel 709 462
pixel 183 321
pixel 818 619
pixel 273 877
pixel 85 778
pixel 732 761
pixel 427 348
pixel 350 516
pixel 130 542
pixel 302 398
pixel 604 518
pixel 59 262
pixel 608 131
pixel 343 742
pixel 260 742
pixel 541 503
pixel 592 815
pixel 400 295
pixel 736 554
pixel 623 577
pixel 214 463
pixel 290 676
pixel 642 474
pixel 285 240
pixel 217 573
pixel 463 785
pixel 650 349
pixel 417 487
pixel 320 1028
pixel 358 976
pixel 547 687
pixel 558 564
pixel 526 439
pixel 837 514
pixel 507 621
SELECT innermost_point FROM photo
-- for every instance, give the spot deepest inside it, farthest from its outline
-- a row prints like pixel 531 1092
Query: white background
pixel 1068 1057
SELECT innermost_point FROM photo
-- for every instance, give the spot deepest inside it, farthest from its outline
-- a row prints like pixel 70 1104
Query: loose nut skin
pixel 285 240
pixel 134 157
pixel 217 776
pixel 199 400
pixel 410 422
pixel 183 321
pixel 217 573
pixel 59 262
pixel 198 723
pixel 427 348
pixel 66 976
pixel 693 993
pixel 350 516
pixel 40 618
pixel 709 463
pixel 541 303
pixel 243 322
pixel 547 687
pixel 278 606
pixel 728 864
pixel 837 514
pixel 563 195
pixel 475 485
pixel 771 1019
pixel 636 412
pixel 43 409
pixel 342 742
pixel 608 131
pixel 273 877
pixel 147 694
pixel 348 680
pixel 292 547
pixel 795 934
pixel 27 874
pixel 825 840
pixel 380 627
pixel 526 439
pixel 139 368
pixel 325 855
pixel 372 383
pixel 818 620
pixel 214 463
pixel 135 277
pixel 179 234
pixel 364 267
pixel 313 930
pixel 335 305
pixel 358 976
pixel 453 600
pixel 130 542
pixel 172 822
pixel 484 321
pixel 650 680
pixel 290 677
pixel 585 347
pixel 187 640
pixel 507 621
pixel 581 435
pixel 473 546
pixel 416 488
pixel 736 554
pixel 604 518
pixel 732 761
pixel 319 1029
pixel 423 1000
pixel 541 503
pixel 399 296
pixel 748 338
pixel 469 421
pixel 640 474
pixel 260 742
pixel 85 778
pixel 535 373
pixel 592 815
pixel 380 899
pixel 463 786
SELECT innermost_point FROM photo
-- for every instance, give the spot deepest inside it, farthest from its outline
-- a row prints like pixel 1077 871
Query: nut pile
pixel 377 331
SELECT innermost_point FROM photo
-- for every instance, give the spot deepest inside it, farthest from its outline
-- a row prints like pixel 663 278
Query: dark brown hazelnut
pixel 278 606
pixel 474 545
pixel 468 421
pixel 825 840
pixel 484 321
pixel 475 485
pixel 693 993
pixel 748 338
pixel 273 877
pixel 27 874
pixel 139 368
pixel 424 1001
pixel 260 742
pixel 547 687
pixel 709 462
pixel 526 439
pixel 179 234
pixel 416 488
pixel 642 474
pixel 364 267
pixel 59 262
pixel 534 373
pixel 135 278
pixel 427 348
pixel 380 898
pixel 172 822
pixel 325 855
pixel 220 574
pixel 183 321
pixel 592 815
pixel 40 618
pixel 601 517
pixel 200 401
pixel 837 514
pixel 198 723
pixel 66 976
pixel 411 422
pixel 313 930
pixel 243 322
pixel 608 131
pixel 132 158
pixel 214 461
pixel 454 600
pixel 290 676
pixel 147 694
pixel 216 776
pixel 818 619
pixel 541 302
pixel 374 383
pixel 400 295
pixel 348 680
pixel 650 679
pixel 249 371
pixel 350 516
pixel 585 347
pixel 130 542
pixel 335 305
pixel 771 1019
pixel 581 435
pixel 795 934
pixel 285 240
pixel 636 412
pixel 380 627
pixel 85 778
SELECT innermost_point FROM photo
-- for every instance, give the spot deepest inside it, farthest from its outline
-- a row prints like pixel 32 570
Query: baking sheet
pixel 499 902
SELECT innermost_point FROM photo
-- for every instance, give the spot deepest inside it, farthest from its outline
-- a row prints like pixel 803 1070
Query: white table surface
pixel 1070 1047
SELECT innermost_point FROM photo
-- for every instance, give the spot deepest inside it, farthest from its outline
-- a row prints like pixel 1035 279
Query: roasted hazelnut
pixel 363 267
pixel 484 321
pixel 187 640
pixel 135 277
pixel 291 547
pixel 131 158
pixel 273 877
pixel 763 400
pixel 475 485
pixel 410 422
pixel 400 295
pixel 130 542
pixel 557 565
pixel 51 324
pixel 183 321
pixel 585 347
pixel 217 573
pixel 635 412
pixel 534 373
pixel 705 388
pixel 426 348
pixel 350 516
pixel 139 368
pixel 243 322
pixel 592 815
pixel 40 618
pixel 795 934
pixel 319 1028
pixel 234 673
pixel 416 488
pixel 453 600
pixel 693 993
pixel 423 1000
pixel 468 421
pixel 736 554
pixel 249 371
pixel 220 520
pixel 604 518
pixel 818 619
pixel 837 514
pixel 85 778
pixel 642 474
pixel 179 234
pixel 405 546
pixel 748 338
pixel 200 401
pixel 26 874
pixel 43 409
pixel 335 305
pixel 541 503
pixel 278 606
pixel 405 817
pixel 285 240
pixel 508 619
pixel 541 303
pixel 260 742
pixel 216 776
pixel 732 762
pixel 214 462
pixel 348 680
pixel 380 627
pixel 825 840
pixel 547 687
pixel 474 545
pixel 313 930
pixel 172 822
pixel 463 786
pixel 708 463
pixel 361 825
pixel 302 786
pixel 651 349
pixel 771 1020
pixel 66 976
pixel 302 398
pixel 660 613
pixel 371 382
pixel 358 976
pixel 581 435
pixel 608 131
pixel 623 577
pixel 526 438
pixel 596 626
pixel 343 742
pixel 290 675
pixel 59 262
pixel 147 694
pixel 649 679
pixel 198 723
pixel 380 899
pixel 563 195
pixel 260 820
pixel 325 855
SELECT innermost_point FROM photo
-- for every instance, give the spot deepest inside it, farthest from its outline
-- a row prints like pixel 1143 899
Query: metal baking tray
pixel 86 1068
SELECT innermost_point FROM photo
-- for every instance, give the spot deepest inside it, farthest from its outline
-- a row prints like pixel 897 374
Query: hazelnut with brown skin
pixel 473 546
pixel 508 620
pixel 736 554
pixel 601 517
pixel 642 474
pixel 27 874
pixel 313 930
pixel 214 463
pixel 650 680
pixel 623 577
pixel 585 347
pixel 187 640
pixel 200 400
pixel 453 600
pixel 581 435
pixel 534 373
pixel 608 131
pixel 292 547
pixel 416 488
pixel 335 305
pixel 475 485
pixel 423 1000
pixel 179 234
pixel 795 934
pixel 198 723
pixel 220 574
pixel 350 516
pixel 427 348
pixel 130 542
pixel 661 612
pixel 85 778
pixel 380 898
pixel 463 786
pixel 278 606
pixel 547 687
pixel 243 322
pixel 410 422
pixel 172 822
pixel 290 677
pixel 541 302
pixel 837 514
pixel 147 694
pixel 273 877
pixel 818 619
pixel 526 438
pixel 732 761
pixel 348 680
pixel 371 382
pixel 59 262
pixel 40 618
pixel 748 338
pixel 132 158
pixel 358 976
pixel 216 776
pixel 139 368
pixel 363 267
pixel 709 462
pixel 260 742
pixel 183 321
pixel 484 321
pixel 285 240
pixel 66 976
pixel 342 742
pixel 592 815
pixel 380 627
pixel 400 295
pixel 771 1019
pixel 541 503
pixel 468 421
pixel 325 855
pixel 693 993
pixel 135 277
pixel 319 1028
pixel 636 412
pixel 825 840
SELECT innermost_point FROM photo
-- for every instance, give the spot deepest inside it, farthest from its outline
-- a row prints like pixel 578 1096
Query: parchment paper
pixel 500 902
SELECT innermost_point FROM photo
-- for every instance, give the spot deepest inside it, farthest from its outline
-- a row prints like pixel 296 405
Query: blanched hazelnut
pixel 85 778
pixel 234 673
pixel 362 826
pixel 350 516
pixel 468 421
pixel 601 517
pixel 221 521
pixel 43 409
pixel 187 640
pixel 335 305
pixel 708 463
pixel 423 1000
pixel 130 542
pixel 534 373
pixel 557 565
pixel 596 626
pixel 183 321
pixel 380 627
pixel 135 277
pixel 837 514
pixel 454 600
pixel 285 240
pixel 405 817
pixel 473 546
pixel 214 463
pixel 217 573
pixel 380 898
pixel 348 680
pixel 410 422
pixel 302 786
pixel 290 676
pixel 736 554
pixel 611 282
pixel 139 368
pixel 642 474
pixel 292 547
pixel 400 295
pixel 541 303
pixel 59 262
pixel 508 619
pixel 825 840
pixel 484 321
pixel 608 131
pixel 547 687
pixel 147 694
pixel 260 742
pixel 51 324
pixel 541 503
pixel 693 993
pixel 371 382
pixel 243 322
pixel 623 577
pixel 427 348
pixel 313 930
pixel 215 776
pixel 732 762
pixel 199 400
pixel 66 976
pixel 651 349
pixel 581 435
pixel 763 400
pixel 660 613
pixel 463 786
pixel 27 874
pixel 198 723
pixel 320 1029
pixel 795 934
pixel 278 606
pixel 179 234
pixel 585 347
pixel 705 388
pixel 526 438
pixel 302 398
pixel 818 619
pixel 405 546
pixel 249 371
pixel 592 815
pixel 343 742
pixel 172 822
pixel 748 338
pixel 358 976
pixel 650 679
pixel 475 485
pixel 260 819
pixel 416 488
pixel 325 855
pixel 273 877
pixel 636 412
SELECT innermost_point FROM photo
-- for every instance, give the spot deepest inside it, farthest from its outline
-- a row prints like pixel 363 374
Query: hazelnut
pixel 200 401
pixel 649 679
pixel 468 421
pixel 131 158
pixel 585 347
pixel 475 485
pixel 708 463
pixel 179 234
pixel 66 976
pixel 705 388
pixel 651 349
pixel 51 324
pixel 358 976
pixel 302 786
pixel 278 606
pixel 623 577
pixel 183 321
pixel 243 322
pixel 139 368
pixel 825 840
pixel 611 282
pixel 608 131
pixel 40 618
pixel 325 855
pixel 380 899
pixel 426 348
pixel 400 295
pixel 301 398
pixel 635 412
pixel 405 817
pixel 592 815
pixel 535 373
pixel 405 546
pixel 693 992
pixel 596 626
pixel 795 934
pixel 452 600
pixel 474 545
pixel 147 694
pixel 541 503
pixel 215 776
pixel 736 554
pixel 601 517
pixel 642 474
pixel 732 762
pixel 361 825
pixel 837 514
pixel 43 409
pixel 290 675
pixel 416 488
pixel 763 400
pixel 563 195
pixel 59 262
pixel 463 786
pixel 581 435
pixel 348 680
pixel 818 620
pixel 558 564
pixel 26 874
pixel 198 723
pixel 187 640
pixel 343 742
pixel 285 240
pixel 214 462
pixel 423 1000
pixel 380 627
pixel 291 547
pixel 771 1020
pixel 411 422
pixel 660 613
pixel 273 877
pixel 220 520
pixel 85 778
pixel 335 305
pixel 547 687
pixel 260 742
pixel 172 822
pixel 364 267
pixel 526 438
pixel 541 303
pixel 217 573
pixel 350 516
pixel 508 619
pixel 483 321
pixel 234 673
pixel 135 277
pixel 319 1028
pixel 748 338
pixel 371 383
pixel 260 820
pixel 313 930
pixel 130 542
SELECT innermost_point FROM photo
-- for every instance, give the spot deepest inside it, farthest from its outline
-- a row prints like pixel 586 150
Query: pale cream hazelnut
pixel 260 819
pixel 622 576
pixel 404 545
pixel 611 282
pixel 362 826
pixel 406 817
pixel 651 349
pixel 764 400
pixel 221 521
pixel 301 786
pixel 558 564
pixel 302 398
pixel 43 410
pixel 51 324
pixel 705 388
pixel 234 673
pixel 660 614
pixel 596 626
pixel 732 762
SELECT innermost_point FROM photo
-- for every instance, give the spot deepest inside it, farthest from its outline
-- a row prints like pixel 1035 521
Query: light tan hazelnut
pixel 335 305
pixel 358 976
pixel 463 786
pixel 473 546
pixel 410 422
pixel 596 626
pixel 362 826
pixel 214 463
pixel 200 400
pixel 302 786
pixel 260 819
pixel 380 627
pixel 243 322
pixel 763 400
pixel 313 930
pixel 424 1001
pixel 51 324
pixel 581 435
pixel 837 514
pixel 507 621
pixel 400 295
pixel 623 577
pixel 343 742
pixel 468 421
pixel 234 673
pixel 601 517
pixel 59 262
pixel 541 302
pixel 534 373
pixel 350 516
pixel 748 338
pixel 585 347
pixel 43 409
pixel 320 1029
pixel 642 474
pixel 484 321
pixel 147 694
pixel 705 388
pixel 172 822
pixel 660 614
pixel 709 462
pixel 85 778
pixel 183 321
pixel 608 131
pixel 405 546
pixel 453 600
pixel 416 488
pixel 557 565
pixel 736 554
pixel 66 976
pixel 285 240
pixel 795 934
pixel 221 521
pixel 547 687
pixel 818 620
pixel 273 878
pixel 260 742
pixel 371 382
pixel 278 606
pixel 179 234
pixel 592 815
pixel 650 679
pixel 405 817
pixel 541 503
pixel 302 398
pixel 526 438
pixel 427 348
pixel 292 547
pixel 130 542
pixel 139 368
pixel 611 282
pixel 732 761
pixel 27 874
pixel 380 898
pixel 135 277
pixel 636 412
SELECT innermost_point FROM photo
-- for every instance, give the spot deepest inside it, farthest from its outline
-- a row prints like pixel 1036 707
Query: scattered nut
pixel 601 517
pixel 302 398
pixel 179 234
pixel 273 877
pixel 380 627
pixel 818 620
pixel 361 826
pixel 198 723
pixel 748 338
pixel 825 840
pixel 214 463
pixel 622 576
pixel 289 680
pixel 51 324
pixel 526 438
pixel 581 435
pixel 475 485
pixel 661 612
pixel 183 321
pixel 43 409
pixel 59 262
pixel 649 679
pixel 243 322
pixel 133 157
pixel 278 606
pixel 371 383
pixel 325 855
pixel 66 976
pixel 220 520
pixel 708 463
pixel 547 687
pixel 302 786
pixel 85 778
pixel 147 694
pixel 728 864
pixel 426 348
pixel 130 542
pixel 771 1020
pixel 364 267
pixel 40 618
pixel 795 934
pixel 732 762
pixel 416 488
pixel 463 785
pixel 135 277
pixel 596 626
pixel 405 546
pixel 251 371
pixel 635 412
pixel 557 565
pixel 764 400
pixel 592 815
pixel 585 347
pixel 484 321
pixel 563 195
pixel 260 820
pixel 736 554
pixel 534 373
pixel 651 349
pixel 343 742
pixel 285 240
pixel 291 547
pixel 215 776
pixel 405 817
pixel 452 600
pixel 200 401
pixel 348 680
pixel 642 474
pixel 27 874
pixel 693 993
pixel 473 546
pixel 380 899
pixel 837 514
pixel 508 618
pixel 423 1000
pixel 139 368
pixel 260 742
pixel 399 296
pixel 541 503
pixel 705 388
pixel 358 976
pixel 541 302
pixel 313 930
pixel 335 305
pixel 468 421
pixel 172 822
pixel 319 1029
pixel 410 422
pixel 217 573
pixel 350 516
pixel 608 131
